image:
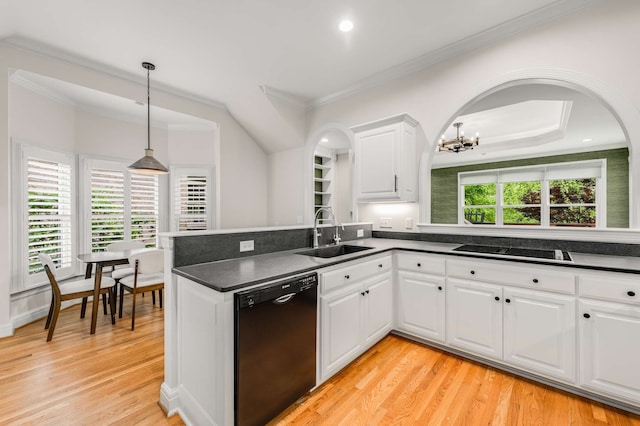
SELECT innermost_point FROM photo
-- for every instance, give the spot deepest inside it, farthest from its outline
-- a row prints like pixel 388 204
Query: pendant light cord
pixel 148 113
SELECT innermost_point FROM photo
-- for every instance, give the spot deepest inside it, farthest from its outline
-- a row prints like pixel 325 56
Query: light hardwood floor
pixel 400 382
pixel 114 377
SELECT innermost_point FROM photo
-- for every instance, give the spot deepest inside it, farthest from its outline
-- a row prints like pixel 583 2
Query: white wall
pixel 595 46
pixel 286 187
pixel 243 165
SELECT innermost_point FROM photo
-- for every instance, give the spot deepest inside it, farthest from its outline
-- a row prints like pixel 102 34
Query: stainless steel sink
pixel 517 252
pixel 334 251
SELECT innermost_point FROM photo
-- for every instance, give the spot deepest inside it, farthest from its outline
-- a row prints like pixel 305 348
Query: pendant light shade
pixel 148 164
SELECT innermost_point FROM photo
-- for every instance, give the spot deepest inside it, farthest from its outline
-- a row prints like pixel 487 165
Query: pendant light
pixel 459 143
pixel 148 164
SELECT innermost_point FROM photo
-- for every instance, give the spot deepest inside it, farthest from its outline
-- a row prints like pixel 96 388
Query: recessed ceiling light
pixel 587 140
pixel 346 26
pixel 324 140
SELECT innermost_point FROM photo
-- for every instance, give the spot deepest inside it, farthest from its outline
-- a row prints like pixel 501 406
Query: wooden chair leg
pixel 84 307
pixel 121 300
pixel 133 311
pixel 46 325
pixel 153 297
pixel 54 319
pixel 160 296
pixel 104 303
pixel 112 304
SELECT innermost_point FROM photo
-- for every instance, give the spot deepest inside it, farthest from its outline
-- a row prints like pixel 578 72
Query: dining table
pixel 100 260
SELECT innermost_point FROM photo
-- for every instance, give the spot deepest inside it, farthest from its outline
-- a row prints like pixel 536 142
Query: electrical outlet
pixel 360 233
pixel 385 222
pixel 246 245
pixel 408 223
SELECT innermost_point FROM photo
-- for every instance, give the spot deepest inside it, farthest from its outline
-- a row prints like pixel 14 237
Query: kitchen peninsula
pixel 560 322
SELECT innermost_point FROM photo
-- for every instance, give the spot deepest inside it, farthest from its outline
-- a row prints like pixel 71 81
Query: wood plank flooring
pixel 114 378
pixel 400 382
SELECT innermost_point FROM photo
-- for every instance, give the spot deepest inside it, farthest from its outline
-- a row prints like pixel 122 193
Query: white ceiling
pixel 228 52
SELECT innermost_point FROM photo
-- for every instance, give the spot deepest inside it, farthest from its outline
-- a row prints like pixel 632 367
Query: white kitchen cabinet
pixel 539 332
pixel 341 335
pixel 474 317
pixel 421 295
pixel 529 328
pixel 378 308
pixel 610 335
pixel 386 159
pixel 356 311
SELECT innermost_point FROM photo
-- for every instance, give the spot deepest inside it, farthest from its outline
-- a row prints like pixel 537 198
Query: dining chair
pixel 72 290
pixel 120 272
pixel 148 276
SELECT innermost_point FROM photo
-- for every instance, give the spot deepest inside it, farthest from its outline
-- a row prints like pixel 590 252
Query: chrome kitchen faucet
pixel 316 234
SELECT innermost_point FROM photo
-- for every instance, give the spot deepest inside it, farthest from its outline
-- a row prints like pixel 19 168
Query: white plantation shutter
pixel 43 214
pixel 107 207
pixel 49 213
pixel 192 200
pixel 144 208
pixel 122 205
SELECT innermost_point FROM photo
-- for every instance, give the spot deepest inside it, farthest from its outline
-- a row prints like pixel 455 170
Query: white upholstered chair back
pixel 149 262
pixel 125 245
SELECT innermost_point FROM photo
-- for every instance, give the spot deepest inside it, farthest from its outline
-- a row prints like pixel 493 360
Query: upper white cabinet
pixel 386 159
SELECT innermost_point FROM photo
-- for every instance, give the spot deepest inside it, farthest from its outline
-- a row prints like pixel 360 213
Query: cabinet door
pixel 539 332
pixel 421 303
pixel 610 349
pixel 376 161
pixel 474 317
pixel 378 310
pixel 341 336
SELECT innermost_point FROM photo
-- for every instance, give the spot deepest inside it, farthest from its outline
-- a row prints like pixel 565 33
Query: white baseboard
pixel 6 330
pixel 169 399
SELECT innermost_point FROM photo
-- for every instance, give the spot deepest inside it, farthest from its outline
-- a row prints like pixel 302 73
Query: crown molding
pixel 34 47
pixel 19 79
pixel 476 41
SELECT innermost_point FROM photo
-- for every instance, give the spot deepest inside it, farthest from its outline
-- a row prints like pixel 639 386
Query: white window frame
pixel 176 172
pixel 21 152
pixel 543 173
pixel 88 163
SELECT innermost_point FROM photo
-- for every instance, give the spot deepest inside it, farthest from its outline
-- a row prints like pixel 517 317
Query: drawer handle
pixel 507 300
pixel 440 287
pixel 535 281
pixel 419 265
pixel 367 291
pixel 497 298
pixel 631 293
pixel 362 293
pixel 380 265
pixel 587 316
pixel 473 272
pixel 346 276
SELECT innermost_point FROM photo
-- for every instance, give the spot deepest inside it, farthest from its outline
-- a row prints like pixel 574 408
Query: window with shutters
pixel 191 199
pixel 559 194
pixel 121 205
pixel 44 214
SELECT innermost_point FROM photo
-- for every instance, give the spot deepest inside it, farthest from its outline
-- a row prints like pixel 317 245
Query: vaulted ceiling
pixel 268 61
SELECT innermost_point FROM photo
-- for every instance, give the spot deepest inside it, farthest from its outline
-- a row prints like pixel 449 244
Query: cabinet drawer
pixel 615 287
pixel 418 262
pixel 505 273
pixel 353 272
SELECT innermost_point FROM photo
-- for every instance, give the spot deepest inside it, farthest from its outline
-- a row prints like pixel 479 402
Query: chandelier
pixel 460 143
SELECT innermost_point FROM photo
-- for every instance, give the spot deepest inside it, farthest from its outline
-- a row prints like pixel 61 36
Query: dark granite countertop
pixel 234 274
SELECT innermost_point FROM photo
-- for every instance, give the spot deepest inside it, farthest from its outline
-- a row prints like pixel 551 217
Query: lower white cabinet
pixel 355 316
pixel 539 332
pixel 474 317
pixel 421 305
pixel 610 349
pixel 530 329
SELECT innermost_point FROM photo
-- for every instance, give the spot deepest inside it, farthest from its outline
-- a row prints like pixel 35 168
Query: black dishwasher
pixel 275 347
